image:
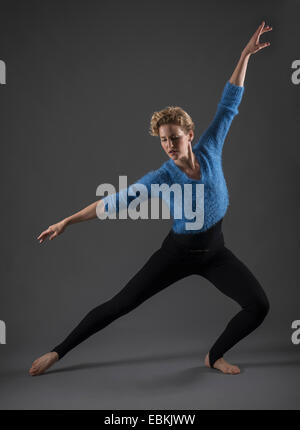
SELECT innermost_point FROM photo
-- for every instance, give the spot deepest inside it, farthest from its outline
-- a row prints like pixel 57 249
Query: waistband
pixel 194 243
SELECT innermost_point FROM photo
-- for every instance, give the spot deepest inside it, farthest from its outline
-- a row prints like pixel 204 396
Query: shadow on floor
pixel 167 357
pixel 135 360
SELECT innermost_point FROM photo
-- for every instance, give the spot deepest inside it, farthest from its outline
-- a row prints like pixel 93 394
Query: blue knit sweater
pixel 208 151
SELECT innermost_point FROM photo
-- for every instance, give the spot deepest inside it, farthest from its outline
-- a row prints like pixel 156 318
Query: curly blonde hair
pixel 171 114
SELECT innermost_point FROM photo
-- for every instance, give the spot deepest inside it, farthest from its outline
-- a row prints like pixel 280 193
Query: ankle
pixel 55 354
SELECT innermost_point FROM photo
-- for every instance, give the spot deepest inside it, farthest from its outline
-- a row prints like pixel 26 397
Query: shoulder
pixel 164 172
pixel 160 175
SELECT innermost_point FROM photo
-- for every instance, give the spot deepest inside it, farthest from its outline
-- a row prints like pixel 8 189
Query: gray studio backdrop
pixel 82 81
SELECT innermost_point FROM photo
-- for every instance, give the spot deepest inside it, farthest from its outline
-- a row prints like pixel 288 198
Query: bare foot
pixel 43 363
pixel 223 366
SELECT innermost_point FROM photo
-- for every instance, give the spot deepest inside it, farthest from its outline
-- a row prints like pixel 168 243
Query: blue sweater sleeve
pixel 214 136
pixel 113 203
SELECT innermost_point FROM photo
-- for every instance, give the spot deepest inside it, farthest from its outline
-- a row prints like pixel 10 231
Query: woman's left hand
pixel 253 45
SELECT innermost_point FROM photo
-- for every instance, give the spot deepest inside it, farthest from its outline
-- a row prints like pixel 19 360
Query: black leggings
pixel 182 255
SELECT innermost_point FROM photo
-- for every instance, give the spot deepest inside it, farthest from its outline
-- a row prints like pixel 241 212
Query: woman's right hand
pixel 52 231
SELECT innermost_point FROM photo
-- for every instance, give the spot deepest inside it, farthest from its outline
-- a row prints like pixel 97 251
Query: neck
pixel 189 161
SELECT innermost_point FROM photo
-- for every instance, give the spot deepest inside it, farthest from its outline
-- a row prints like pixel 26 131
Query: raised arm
pixel 214 136
pixel 253 46
pixel 212 140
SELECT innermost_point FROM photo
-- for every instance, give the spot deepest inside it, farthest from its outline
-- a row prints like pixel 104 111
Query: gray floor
pixel 161 374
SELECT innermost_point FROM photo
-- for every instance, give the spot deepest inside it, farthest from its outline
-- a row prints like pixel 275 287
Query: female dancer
pixel 183 252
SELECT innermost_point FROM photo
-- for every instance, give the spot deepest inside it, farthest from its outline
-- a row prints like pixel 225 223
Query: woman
pixel 183 251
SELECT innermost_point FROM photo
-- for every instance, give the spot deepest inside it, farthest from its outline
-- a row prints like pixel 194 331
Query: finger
pixel 53 235
pixel 43 238
pixel 48 230
pixel 44 233
pixel 262 45
pixel 267 28
pixel 260 28
pixel 256 32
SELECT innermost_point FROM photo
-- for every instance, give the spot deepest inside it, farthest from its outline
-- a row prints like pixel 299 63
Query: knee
pixel 101 311
pixel 118 307
pixel 261 308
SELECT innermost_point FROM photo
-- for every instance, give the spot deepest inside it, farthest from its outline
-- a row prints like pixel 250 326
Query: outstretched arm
pixel 110 204
pixel 114 203
pixel 214 136
pixel 89 212
pixel 253 46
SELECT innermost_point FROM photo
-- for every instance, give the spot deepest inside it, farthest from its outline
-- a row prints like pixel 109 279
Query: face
pixel 174 141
